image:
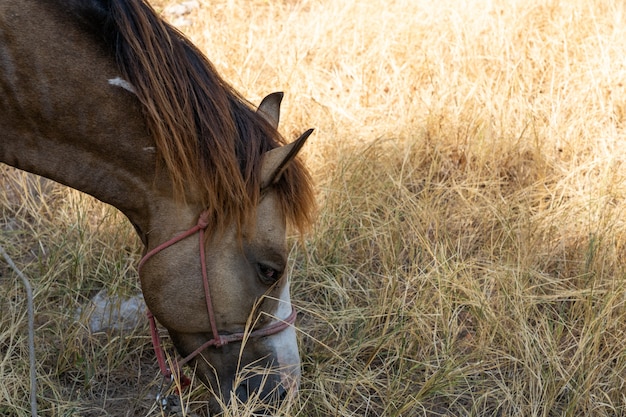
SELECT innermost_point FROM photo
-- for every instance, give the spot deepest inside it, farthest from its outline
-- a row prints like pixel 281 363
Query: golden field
pixel 469 257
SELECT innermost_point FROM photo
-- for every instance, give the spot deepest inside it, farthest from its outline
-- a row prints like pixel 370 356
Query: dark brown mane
pixel 208 137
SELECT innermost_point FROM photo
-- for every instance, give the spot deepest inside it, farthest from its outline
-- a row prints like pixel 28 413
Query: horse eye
pixel 267 274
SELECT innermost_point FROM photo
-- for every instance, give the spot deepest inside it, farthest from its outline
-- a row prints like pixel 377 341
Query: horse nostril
pixel 268 393
pixel 242 392
pixel 281 393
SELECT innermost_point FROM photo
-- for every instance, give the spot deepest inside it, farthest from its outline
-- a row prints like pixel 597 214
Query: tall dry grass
pixel 469 254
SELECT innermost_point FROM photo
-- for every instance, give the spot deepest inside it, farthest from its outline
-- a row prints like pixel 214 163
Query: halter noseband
pixel 218 340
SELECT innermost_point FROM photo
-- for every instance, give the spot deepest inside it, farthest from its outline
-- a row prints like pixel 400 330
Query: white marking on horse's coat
pixel 149 149
pixel 285 345
pixel 119 82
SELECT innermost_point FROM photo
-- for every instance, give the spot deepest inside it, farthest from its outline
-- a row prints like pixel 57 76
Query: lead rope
pixel 199 228
pixel 205 283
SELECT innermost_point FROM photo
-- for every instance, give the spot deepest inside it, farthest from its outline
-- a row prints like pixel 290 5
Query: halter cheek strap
pixel 217 340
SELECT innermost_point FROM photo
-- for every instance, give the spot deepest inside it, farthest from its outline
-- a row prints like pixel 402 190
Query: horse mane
pixel 208 137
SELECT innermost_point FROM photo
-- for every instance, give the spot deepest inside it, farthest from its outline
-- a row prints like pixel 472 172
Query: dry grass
pixel 469 258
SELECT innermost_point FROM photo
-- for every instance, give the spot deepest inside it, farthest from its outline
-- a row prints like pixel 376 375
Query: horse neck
pixel 63 118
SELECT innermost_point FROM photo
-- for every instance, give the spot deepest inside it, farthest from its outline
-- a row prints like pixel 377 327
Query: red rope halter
pixel 217 340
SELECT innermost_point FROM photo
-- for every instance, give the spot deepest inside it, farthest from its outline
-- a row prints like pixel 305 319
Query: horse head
pixel 223 302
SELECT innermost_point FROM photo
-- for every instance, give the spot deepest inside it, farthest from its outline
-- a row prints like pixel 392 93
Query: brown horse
pixel 105 97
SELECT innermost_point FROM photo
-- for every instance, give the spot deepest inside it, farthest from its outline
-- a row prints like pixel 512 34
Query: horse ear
pixel 276 161
pixel 270 108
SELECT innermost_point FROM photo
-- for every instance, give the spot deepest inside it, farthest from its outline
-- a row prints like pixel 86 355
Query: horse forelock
pixel 206 135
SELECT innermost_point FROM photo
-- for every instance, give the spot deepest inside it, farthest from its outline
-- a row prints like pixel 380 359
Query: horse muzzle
pixel 261 375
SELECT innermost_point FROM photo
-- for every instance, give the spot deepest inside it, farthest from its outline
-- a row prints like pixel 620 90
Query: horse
pixel 105 97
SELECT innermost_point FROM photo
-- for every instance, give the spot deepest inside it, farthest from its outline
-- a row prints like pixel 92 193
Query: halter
pixel 218 340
